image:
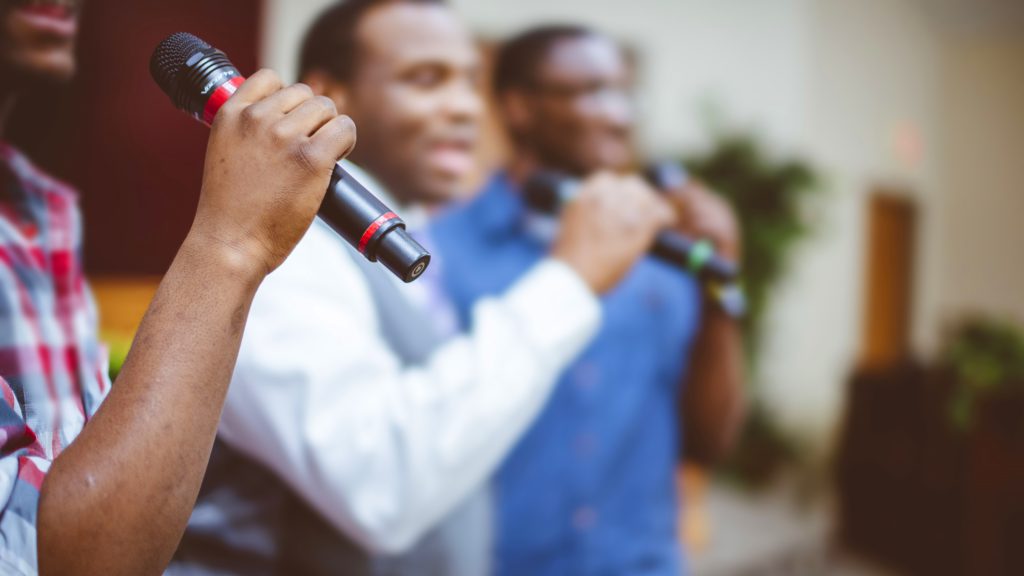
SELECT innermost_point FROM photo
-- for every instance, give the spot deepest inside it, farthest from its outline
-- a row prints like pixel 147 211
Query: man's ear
pixel 323 84
pixel 515 111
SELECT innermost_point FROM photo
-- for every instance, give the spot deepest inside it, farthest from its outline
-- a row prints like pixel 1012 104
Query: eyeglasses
pixel 590 93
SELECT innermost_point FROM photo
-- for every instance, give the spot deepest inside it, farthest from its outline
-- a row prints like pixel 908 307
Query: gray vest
pixel 247 521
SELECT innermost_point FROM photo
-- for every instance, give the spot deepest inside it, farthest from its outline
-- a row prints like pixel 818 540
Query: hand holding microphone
pixel 286 150
pixel 699 213
pixel 268 163
pixel 610 224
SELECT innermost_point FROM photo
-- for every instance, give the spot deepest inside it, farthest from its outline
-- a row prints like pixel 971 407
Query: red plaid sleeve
pixel 23 465
pixel 52 376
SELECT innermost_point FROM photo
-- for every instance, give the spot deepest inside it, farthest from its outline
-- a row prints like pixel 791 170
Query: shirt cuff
pixel 557 310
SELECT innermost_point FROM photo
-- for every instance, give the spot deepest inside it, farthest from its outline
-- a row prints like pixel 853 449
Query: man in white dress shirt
pixel 360 429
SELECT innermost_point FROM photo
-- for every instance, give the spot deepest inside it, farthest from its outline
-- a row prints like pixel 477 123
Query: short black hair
pixel 519 59
pixel 330 42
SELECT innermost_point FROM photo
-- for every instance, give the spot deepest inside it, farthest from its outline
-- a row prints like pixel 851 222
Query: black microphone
pixel 548 191
pixel 200 78
pixel 666 175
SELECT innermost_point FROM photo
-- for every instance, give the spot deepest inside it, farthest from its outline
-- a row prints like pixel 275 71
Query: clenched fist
pixel 611 223
pixel 268 164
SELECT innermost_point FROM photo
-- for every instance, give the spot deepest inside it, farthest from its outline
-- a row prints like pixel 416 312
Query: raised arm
pixel 117 500
pixel 713 399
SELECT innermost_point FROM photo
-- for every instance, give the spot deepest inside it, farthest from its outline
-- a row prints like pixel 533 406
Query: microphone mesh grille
pixel 169 58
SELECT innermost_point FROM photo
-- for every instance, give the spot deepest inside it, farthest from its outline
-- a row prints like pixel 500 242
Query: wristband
pixel 729 297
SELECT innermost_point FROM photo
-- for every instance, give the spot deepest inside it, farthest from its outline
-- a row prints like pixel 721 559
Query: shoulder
pixel 34 178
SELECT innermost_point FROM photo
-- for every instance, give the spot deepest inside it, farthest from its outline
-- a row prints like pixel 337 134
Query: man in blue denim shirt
pixel 591 488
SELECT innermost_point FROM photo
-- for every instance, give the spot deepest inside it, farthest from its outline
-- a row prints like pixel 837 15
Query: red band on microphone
pixel 372 229
pixel 219 97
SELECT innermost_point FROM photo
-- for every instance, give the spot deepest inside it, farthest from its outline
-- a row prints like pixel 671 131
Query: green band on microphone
pixel 700 254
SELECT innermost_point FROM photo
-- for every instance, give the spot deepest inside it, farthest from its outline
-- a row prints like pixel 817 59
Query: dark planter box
pixel 921 497
pixel 995 488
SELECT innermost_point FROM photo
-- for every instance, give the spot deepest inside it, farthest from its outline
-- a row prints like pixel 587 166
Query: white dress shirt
pixel 383 451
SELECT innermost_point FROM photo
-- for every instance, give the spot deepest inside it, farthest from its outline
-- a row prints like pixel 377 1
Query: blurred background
pixel 874 150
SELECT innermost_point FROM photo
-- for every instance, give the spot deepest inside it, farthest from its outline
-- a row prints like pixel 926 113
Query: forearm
pixel 117 500
pixel 713 400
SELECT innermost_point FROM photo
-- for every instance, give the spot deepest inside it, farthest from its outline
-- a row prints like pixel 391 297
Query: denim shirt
pixel 589 489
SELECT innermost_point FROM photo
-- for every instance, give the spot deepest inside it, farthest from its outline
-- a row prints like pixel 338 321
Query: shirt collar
pixel 26 178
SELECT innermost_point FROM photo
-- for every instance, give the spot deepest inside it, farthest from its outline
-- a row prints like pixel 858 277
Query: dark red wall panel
pixel 136 160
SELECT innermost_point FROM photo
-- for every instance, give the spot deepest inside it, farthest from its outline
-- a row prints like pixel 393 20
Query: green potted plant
pixel 986 357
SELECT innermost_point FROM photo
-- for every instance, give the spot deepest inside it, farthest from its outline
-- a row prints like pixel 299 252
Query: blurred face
pixel 578 115
pixel 37 39
pixel 415 100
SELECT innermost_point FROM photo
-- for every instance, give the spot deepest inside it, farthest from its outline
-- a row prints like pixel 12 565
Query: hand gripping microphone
pixel 548 191
pixel 199 79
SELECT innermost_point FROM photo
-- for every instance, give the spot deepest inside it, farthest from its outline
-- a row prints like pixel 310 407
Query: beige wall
pixel 983 176
pixel 874 68
pixel 284 24
pixel 879 68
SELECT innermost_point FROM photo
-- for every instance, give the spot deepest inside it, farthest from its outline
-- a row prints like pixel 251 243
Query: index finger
pixel 334 140
pixel 663 213
pixel 688 192
pixel 257 87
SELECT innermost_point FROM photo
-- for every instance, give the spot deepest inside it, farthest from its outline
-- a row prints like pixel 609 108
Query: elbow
pixel 391 543
pixel 68 538
pixel 387 537
pixel 82 530
pixel 61 535
pixel 384 525
pixel 54 534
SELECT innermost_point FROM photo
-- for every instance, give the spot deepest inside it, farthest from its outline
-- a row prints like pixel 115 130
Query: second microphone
pixel 547 191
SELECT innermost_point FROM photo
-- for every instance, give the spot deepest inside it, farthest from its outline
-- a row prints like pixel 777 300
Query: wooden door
pixel 892 229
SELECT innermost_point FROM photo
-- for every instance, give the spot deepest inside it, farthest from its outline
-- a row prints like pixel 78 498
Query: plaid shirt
pixel 52 371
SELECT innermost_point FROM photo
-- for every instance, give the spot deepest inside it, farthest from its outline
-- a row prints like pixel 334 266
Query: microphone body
pixel 548 191
pixel 200 79
pixel 666 175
